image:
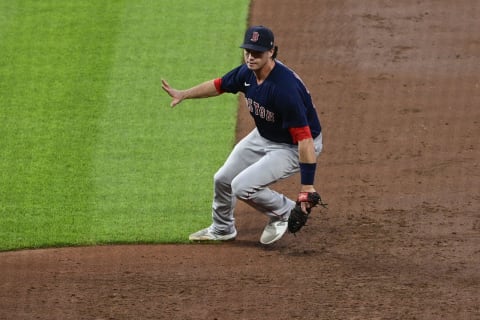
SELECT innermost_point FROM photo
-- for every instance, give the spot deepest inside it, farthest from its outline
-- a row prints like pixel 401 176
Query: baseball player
pixel 287 139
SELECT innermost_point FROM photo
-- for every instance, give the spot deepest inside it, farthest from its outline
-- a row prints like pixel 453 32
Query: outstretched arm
pixel 203 90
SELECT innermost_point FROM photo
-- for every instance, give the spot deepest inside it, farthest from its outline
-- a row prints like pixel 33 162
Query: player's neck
pixel 262 73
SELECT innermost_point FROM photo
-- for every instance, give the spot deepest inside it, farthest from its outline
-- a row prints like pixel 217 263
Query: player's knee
pixel 220 179
pixel 241 190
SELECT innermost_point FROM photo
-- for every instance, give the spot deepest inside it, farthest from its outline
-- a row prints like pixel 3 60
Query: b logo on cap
pixel 255 36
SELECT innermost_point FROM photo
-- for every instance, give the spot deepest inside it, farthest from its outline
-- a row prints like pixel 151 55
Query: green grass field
pixel 91 152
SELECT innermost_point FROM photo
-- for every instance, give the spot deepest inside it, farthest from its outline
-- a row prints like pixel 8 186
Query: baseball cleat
pixel 209 235
pixel 274 230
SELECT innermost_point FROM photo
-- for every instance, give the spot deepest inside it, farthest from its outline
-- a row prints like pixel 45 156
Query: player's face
pixel 255 60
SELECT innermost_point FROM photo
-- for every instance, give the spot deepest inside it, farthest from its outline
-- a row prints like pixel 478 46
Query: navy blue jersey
pixel 281 102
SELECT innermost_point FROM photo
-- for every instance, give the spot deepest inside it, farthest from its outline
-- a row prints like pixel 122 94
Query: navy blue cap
pixel 258 38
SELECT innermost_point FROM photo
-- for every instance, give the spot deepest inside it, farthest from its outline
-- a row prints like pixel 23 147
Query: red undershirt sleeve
pixel 218 85
pixel 300 133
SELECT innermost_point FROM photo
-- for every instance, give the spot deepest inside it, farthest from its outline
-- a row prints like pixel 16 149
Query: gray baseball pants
pixel 253 165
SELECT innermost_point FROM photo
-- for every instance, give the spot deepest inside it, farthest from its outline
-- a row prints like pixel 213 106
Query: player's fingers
pixel 175 102
pixel 304 206
pixel 165 86
pixel 172 93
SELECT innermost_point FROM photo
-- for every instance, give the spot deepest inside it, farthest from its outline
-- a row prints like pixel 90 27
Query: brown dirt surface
pixel 397 87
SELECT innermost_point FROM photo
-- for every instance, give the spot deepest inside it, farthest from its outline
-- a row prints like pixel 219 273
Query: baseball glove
pixel 298 218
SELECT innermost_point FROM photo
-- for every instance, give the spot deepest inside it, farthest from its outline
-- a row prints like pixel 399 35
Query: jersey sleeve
pixel 234 80
pixel 293 108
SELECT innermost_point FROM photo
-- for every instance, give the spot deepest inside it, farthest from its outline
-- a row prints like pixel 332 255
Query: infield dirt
pixel 397 88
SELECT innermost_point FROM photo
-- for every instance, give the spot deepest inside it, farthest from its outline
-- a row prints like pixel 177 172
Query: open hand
pixel 176 95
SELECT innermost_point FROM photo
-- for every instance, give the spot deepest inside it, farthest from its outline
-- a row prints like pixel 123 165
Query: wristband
pixel 307 173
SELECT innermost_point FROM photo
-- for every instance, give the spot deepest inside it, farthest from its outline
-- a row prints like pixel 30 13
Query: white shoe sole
pixel 273 232
pixel 211 237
